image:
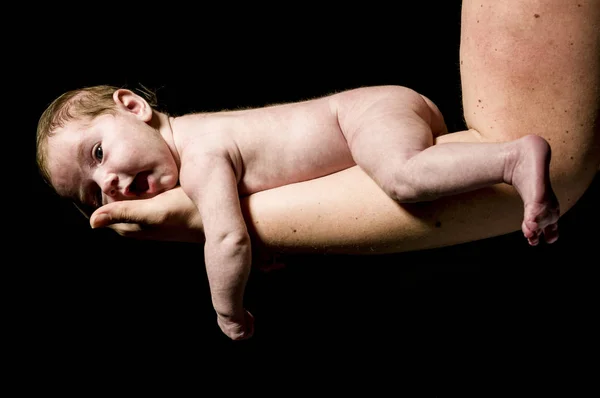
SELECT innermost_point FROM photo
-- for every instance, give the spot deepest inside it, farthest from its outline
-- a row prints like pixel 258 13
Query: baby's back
pixel 277 145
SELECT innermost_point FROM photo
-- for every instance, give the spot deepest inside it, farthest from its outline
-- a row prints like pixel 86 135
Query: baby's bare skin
pixel 289 143
pixel 268 147
pixel 388 131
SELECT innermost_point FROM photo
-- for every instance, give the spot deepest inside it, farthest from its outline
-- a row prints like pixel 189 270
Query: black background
pixel 97 301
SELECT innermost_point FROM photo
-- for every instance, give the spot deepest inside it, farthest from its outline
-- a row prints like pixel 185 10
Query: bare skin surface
pixel 555 97
pixel 387 130
pixel 526 68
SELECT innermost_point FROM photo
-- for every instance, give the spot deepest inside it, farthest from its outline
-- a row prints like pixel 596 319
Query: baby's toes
pixel 551 233
pixel 534 241
pixel 529 228
pixel 530 232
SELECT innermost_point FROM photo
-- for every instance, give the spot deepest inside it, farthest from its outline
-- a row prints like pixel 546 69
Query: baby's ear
pixel 133 103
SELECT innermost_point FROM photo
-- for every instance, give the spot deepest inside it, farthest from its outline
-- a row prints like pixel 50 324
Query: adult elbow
pixel 574 164
pixel 572 177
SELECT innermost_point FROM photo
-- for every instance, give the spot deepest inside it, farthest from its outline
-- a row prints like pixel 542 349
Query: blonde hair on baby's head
pixel 84 103
pixel 87 102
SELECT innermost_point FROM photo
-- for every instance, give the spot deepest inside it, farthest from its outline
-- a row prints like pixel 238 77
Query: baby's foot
pixel 531 178
pixel 540 218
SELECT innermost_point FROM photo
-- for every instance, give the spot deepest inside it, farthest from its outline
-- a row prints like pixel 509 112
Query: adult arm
pixel 526 67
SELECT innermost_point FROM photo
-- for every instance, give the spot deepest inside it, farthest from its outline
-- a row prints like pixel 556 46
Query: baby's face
pixel 111 158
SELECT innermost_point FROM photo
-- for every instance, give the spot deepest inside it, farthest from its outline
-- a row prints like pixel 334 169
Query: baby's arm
pixel 211 183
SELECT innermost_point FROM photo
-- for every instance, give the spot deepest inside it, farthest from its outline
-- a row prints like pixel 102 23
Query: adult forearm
pixel 526 67
pixel 348 213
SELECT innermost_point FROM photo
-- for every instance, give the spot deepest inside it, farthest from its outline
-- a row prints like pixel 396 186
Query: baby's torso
pixel 273 146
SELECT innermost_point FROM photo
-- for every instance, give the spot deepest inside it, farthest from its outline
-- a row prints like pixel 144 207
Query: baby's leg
pixel 400 158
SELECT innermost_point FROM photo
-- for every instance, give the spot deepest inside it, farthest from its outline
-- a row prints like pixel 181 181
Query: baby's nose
pixel 110 185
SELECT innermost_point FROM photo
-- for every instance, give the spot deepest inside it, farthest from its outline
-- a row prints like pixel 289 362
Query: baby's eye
pixel 98 154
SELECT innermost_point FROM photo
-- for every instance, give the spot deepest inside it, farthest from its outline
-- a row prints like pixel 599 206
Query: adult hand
pixel 170 216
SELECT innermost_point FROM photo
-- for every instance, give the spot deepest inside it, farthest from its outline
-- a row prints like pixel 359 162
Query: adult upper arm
pixel 534 67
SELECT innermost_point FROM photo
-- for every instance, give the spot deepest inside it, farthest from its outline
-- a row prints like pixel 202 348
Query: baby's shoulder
pixel 204 136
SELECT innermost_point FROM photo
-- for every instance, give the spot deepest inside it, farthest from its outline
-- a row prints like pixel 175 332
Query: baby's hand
pixel 237 329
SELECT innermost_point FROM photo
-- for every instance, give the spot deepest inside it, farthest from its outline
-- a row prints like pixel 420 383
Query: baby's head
pixel 85 103
pixel 102 144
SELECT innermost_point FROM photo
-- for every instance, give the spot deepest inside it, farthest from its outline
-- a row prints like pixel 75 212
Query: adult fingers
pixel 129 212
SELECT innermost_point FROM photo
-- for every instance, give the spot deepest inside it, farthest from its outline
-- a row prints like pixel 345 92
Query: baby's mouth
pixel 140 185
